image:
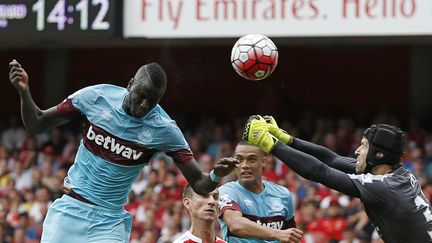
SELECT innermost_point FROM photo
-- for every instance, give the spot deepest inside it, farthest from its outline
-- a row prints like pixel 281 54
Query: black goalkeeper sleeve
pixel 312 169
pixel 345 164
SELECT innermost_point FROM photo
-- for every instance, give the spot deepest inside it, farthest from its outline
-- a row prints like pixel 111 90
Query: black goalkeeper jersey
pixel 396 205
pixel 394 202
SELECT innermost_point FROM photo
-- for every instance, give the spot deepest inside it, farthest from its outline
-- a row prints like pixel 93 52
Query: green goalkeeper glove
pixel 279 133
pixel 256 133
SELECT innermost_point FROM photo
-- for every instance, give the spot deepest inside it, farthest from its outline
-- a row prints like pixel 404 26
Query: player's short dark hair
pixel 187 191
pixel 156 74
pixel 244 142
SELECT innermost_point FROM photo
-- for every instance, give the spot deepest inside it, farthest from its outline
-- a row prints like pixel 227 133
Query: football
pixel 254 56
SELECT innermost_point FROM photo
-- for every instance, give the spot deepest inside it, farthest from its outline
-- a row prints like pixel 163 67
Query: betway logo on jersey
pixel 275 222
pixel 274 225
pixel 111 144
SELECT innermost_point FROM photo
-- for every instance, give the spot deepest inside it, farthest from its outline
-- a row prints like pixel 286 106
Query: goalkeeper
pixel 392 198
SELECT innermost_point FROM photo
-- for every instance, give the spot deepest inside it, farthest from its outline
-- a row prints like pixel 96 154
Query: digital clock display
pixel 56 18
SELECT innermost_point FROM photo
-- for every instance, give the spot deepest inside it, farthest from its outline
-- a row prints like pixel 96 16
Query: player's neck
pixel 203 230
pixel 255 187
pixel 381 169
pixel 124 105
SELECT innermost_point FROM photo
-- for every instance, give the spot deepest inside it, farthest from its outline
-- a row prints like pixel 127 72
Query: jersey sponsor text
pixel 274 225
pixel 111 144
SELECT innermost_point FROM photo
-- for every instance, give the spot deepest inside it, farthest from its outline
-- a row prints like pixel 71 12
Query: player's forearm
pixel 312 169
pixel 249 229
pixel 322 153
pixel 199 181
pixel 325 155
pixel 204 184
pixel 302 163
pixel 30 113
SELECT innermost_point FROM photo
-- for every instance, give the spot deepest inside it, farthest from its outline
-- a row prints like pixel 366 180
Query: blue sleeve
pixel 174 139
pixel 84 98
pixel 289 203
pixel 228 199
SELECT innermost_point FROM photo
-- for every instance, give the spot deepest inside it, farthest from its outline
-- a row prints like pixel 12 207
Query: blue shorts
pixel 70 220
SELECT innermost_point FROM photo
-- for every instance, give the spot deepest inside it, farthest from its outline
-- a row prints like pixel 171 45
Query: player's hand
pixel 291 235
pixel 279 133
pixel 246 129
pixel 224 166
pixel 256 132
pixel 18 76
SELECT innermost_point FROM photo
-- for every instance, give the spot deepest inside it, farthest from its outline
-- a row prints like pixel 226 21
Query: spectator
pixel 306 195
pixel 13 137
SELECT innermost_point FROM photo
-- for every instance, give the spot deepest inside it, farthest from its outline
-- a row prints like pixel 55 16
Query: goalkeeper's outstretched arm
pixel 312 169
pixel 325 155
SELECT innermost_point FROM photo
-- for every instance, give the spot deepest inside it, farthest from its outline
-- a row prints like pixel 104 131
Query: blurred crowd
pixel 32 169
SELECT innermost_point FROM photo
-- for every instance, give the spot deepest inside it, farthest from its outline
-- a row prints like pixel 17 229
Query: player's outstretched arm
pixel 312 169
pixel 256 132
pixel 324 154
pixel 243 227
pixel 35 120
pixel 203 183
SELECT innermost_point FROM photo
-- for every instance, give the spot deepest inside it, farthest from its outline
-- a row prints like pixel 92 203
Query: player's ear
pixel 131 81
pixel 187 203
pixel 264 161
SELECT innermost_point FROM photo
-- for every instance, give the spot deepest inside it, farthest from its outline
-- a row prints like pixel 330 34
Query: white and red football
pixel 254 56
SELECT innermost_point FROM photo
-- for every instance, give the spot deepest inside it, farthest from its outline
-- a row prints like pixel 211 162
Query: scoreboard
pixel 35 19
